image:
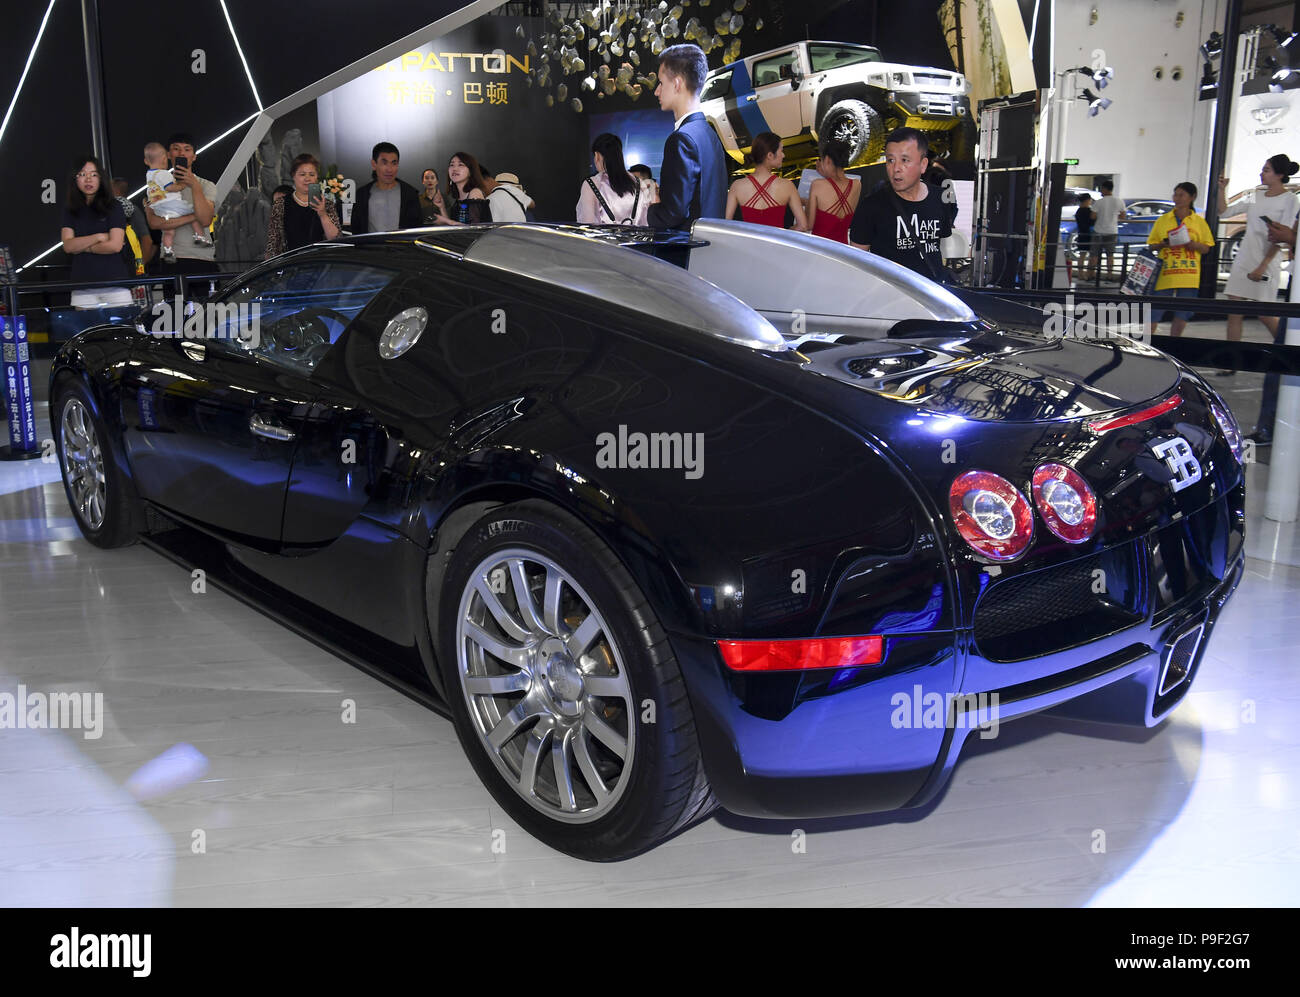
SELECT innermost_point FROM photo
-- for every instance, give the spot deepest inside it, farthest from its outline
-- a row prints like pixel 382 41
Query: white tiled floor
pixel 280 803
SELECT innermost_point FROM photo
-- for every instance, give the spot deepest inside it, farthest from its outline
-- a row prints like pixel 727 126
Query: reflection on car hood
pixel 980 373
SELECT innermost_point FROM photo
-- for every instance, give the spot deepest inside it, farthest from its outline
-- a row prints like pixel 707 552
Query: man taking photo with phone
pixel 201 196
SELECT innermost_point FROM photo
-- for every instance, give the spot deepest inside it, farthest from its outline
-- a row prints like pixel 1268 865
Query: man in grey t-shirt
pixel 385 208
pixel 201 195
pixel 386 203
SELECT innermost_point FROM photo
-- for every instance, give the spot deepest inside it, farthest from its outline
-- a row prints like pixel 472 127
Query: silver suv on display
pixel 811 89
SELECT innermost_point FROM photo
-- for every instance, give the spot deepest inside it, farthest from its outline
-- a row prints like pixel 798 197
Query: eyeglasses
pixel 87 176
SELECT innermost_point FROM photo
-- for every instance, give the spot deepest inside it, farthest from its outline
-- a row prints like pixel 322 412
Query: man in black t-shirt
pixel 1084 219
pixel 905 220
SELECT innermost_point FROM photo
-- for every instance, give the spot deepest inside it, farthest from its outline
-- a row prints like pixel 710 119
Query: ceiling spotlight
pixel 1212 46
pixel 1209 82
pixel 1095 104
pixel 1282 39
pixel 1100 77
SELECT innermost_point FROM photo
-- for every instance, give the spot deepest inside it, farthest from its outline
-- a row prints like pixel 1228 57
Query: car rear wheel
pixel 566 694
pixel 102 498
pixel 859 127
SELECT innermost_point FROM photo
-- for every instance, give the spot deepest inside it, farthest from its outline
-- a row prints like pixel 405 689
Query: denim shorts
pixel 1179 292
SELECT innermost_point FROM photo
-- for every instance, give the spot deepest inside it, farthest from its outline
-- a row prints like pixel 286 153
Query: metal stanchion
pixel 19 399
pixel 1281 503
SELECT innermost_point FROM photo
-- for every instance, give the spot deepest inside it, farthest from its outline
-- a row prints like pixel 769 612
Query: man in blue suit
pixel 693 181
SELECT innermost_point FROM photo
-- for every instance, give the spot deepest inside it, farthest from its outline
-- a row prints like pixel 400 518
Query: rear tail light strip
pixel 1168 405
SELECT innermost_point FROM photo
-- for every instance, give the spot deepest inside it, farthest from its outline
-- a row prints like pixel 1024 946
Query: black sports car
pixel 745 518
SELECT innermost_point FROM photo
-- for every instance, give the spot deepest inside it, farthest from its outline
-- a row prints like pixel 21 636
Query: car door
pixel 371 409
pixel 776 92
pixel 213 420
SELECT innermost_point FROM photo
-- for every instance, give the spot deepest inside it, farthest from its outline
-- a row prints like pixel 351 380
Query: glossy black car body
pixel 835 410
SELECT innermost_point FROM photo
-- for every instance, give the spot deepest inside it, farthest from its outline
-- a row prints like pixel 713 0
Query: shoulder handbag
pixel 605 205
pixel 1143 274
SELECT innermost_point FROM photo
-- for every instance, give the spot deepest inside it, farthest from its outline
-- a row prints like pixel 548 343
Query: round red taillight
pixel 991 515
pixel 1066 503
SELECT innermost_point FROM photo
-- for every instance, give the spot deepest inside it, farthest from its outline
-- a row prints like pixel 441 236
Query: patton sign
pixel 467 91
pixel 408 81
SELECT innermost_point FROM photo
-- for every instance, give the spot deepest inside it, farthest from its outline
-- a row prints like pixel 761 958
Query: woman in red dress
pixel 762 197
pixel 833 199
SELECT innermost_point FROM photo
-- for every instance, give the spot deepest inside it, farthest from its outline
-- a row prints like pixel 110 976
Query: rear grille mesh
pixel 1056 608
pixel 1061 595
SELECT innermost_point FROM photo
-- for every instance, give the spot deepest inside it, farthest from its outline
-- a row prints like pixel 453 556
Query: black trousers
pixel 1272 382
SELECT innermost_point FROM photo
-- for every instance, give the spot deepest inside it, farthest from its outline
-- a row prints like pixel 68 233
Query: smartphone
pixel 1266 220
pixel 182 161
pixel 313 192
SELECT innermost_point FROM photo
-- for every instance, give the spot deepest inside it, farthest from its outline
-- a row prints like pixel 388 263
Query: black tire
pixel 857 125
pixel 665 789
pixel 119 512
pixel 965 141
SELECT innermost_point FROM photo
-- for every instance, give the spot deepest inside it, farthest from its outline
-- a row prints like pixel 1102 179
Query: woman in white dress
pixel 613 196
pixel 1284 236
pixel 1258 266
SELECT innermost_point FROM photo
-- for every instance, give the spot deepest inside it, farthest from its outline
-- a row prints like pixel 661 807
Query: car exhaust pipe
pixel 1179 657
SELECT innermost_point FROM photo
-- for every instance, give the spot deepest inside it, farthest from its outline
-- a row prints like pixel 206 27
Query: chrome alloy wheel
pixel 83 463
pixel 545 685
pixel 846 131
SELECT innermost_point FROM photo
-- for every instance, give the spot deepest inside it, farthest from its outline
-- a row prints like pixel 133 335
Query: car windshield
pixel 827 57
pixel 312 301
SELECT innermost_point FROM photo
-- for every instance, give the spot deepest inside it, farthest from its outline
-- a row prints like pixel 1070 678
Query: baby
pixel 164 196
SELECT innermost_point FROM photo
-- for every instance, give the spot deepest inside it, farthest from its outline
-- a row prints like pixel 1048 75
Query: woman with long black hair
pixel 613 196
pixel 93 231
pixel 467 201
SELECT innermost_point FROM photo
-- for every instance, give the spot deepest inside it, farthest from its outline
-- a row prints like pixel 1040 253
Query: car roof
pixel 594 261
pixel 460 238
pixel 782 48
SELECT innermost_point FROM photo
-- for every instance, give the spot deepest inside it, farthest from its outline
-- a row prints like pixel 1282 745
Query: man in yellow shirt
pixel 1182 237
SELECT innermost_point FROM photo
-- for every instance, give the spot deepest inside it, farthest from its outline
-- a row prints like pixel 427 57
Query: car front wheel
pixel 566 694
pixel 859 127
pixel 101 496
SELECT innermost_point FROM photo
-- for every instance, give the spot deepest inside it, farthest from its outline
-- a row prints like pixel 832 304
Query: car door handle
pixel 193 350
pixel 752 96
pixel 270 430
